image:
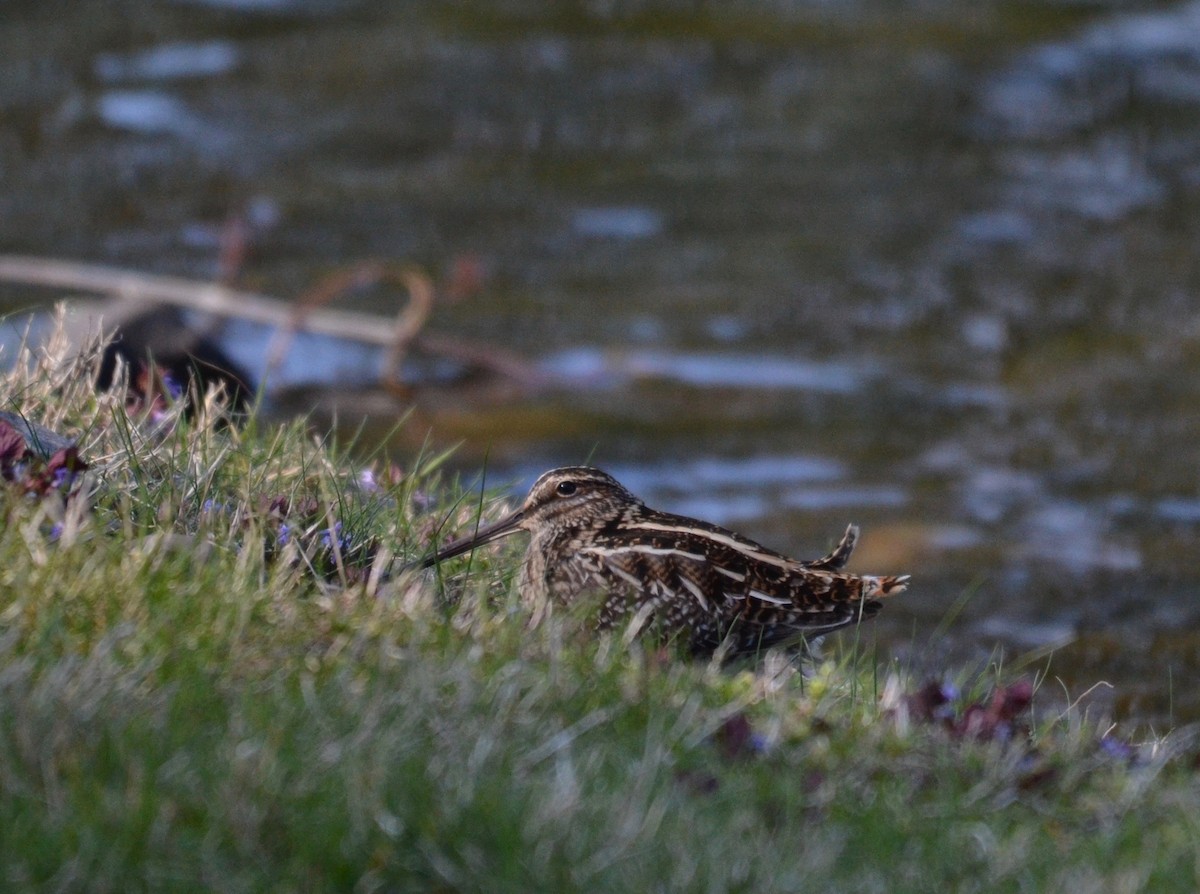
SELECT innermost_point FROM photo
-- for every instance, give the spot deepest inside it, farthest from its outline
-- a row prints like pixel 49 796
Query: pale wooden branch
pixel 395 337
pixel 205 297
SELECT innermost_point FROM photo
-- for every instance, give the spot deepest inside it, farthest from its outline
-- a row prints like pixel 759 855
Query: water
pixel 922 267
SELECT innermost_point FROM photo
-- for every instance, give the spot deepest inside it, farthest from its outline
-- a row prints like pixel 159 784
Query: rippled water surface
pixel 929 267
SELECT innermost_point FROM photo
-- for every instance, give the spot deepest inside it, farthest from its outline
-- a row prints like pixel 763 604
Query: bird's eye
pixel 566 488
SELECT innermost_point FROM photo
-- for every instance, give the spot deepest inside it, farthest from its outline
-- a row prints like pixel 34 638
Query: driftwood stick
pixel 257 308
pixel 199 296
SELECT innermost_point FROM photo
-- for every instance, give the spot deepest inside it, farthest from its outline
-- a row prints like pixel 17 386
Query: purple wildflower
pixel 1115 748
pixel 366 480
pixel 329 535
pixel 173 388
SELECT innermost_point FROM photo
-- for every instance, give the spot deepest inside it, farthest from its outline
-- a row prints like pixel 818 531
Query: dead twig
pixel 409 321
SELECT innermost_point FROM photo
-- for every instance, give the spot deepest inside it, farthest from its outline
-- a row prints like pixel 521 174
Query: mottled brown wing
pixel 690 577
pixel 659 586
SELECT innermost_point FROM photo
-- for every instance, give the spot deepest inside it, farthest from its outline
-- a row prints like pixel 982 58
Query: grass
pixel 209 683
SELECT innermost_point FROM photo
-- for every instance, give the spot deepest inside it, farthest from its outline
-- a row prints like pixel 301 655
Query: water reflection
pixel 708 370
pixel 150 112
pixel 169 62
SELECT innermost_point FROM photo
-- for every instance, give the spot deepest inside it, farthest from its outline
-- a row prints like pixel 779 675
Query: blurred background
pixel 927 266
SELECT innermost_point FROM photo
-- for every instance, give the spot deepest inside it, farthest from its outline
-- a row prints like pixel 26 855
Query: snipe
pixel 675 575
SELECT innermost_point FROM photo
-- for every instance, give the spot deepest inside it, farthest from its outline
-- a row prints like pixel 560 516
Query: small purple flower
pixel 173 388
pixel 330 535
pixel 211 506
pixel 284 535
pixel 55 532
pixel 1115 748
pixel 945 711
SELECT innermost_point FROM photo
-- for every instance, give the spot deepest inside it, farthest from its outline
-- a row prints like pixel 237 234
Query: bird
pixel 686 579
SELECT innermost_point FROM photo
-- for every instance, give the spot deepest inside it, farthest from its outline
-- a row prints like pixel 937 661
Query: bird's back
pixel 707 584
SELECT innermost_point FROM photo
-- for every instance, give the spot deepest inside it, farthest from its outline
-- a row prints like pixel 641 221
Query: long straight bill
pixel 508 525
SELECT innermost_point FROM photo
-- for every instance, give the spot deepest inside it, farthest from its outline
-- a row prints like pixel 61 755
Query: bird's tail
pixel 837 559
pixel 882 586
